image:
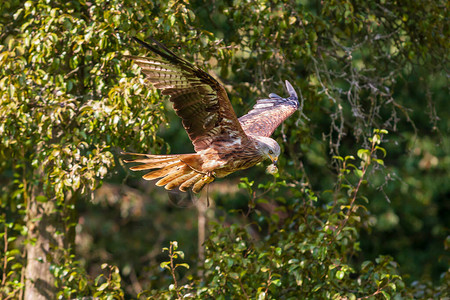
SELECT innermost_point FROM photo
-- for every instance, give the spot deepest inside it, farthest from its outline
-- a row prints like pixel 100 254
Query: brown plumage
pixel 223 143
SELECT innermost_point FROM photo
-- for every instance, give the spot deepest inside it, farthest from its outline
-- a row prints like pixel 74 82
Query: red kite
pixel 223 143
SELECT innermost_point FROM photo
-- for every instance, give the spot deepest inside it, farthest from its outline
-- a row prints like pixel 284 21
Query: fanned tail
pixel 172 171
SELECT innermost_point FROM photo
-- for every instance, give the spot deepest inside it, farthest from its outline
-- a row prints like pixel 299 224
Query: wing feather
pixel 268 114
pixel 198 99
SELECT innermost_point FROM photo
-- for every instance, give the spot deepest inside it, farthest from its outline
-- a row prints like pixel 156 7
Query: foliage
pixel 307 254
pixel 72 281
pixel 70 103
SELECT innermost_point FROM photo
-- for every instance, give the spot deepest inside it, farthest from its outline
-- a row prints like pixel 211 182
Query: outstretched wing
pixel 198 99
pixel 268 114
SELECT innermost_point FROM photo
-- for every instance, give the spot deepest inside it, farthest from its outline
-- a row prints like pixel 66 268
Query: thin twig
pixel 172 271
pixel 243 290
pixel 355 194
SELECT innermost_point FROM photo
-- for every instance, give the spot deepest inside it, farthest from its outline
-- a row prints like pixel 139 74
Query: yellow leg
pixel 208 179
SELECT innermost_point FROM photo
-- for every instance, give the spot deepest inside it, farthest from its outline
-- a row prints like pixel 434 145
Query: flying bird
pixel 223 143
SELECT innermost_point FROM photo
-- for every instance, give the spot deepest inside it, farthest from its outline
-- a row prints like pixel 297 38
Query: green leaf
pixel 386 295
pixel 382 150
pixel 261 296
pixel 317 287
pixel 379 161
pixel 358 173
pixel 276 282
pixel 165 265
pixel 278 251
pixel 376 139
pixel 182 265
pixel 363 154
pixel 365 265
pixel 392 286
pixel 103 286
pixel 175 245
pixel 180 253
pixel 352 166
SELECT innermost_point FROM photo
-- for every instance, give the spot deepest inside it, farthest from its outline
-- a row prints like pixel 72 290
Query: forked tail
pixel 172 171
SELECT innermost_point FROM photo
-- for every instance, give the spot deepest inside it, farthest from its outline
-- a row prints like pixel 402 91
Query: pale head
pixel 268 148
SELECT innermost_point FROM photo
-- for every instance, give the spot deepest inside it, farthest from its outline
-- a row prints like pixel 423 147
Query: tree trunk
pixel 44 220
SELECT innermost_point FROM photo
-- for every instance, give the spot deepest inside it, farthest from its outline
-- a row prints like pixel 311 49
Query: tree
pixel 69 103
pixel 68 100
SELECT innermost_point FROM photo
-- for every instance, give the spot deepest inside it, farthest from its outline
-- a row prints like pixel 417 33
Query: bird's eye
pixel 270 152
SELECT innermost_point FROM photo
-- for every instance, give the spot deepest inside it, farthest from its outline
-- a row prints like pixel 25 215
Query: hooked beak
pixel 273 159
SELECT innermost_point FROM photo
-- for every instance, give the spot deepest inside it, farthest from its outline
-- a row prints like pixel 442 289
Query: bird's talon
pixel 209 177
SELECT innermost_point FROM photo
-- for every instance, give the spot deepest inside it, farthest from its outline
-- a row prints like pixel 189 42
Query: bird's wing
pixel 198 99
pixel 268 114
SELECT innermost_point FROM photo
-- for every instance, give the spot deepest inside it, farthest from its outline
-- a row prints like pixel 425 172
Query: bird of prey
pixel 223 143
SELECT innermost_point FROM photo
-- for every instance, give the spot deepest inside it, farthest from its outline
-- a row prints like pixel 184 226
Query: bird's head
pixel 269 148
